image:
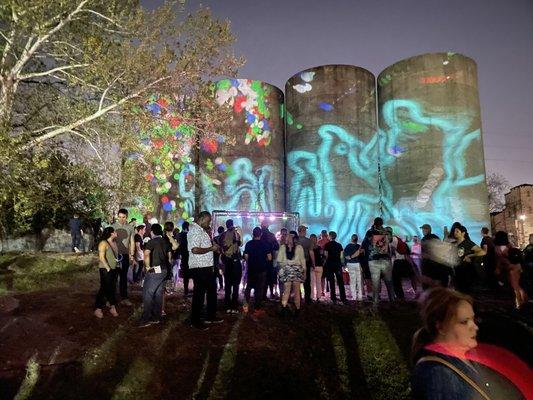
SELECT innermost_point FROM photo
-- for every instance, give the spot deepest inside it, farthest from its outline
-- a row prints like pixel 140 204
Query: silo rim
pixel 248 79
pixel 426 54
pixel 329 65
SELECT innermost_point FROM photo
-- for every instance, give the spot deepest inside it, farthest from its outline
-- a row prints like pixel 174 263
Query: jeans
pixel 123 276
pixel 400 269
pixel 232 278
pixel 257 282
pixel 377 268
pixel 108 281
pixel 356 280
pixel 76 240
pixel 204 287
pixel 316 282
pixel 153 296
pixel 330 276
pixel 307 283
pixel 138 271
pixel 271 278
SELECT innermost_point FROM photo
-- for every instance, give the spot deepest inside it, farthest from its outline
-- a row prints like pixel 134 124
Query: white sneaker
pixel 76 250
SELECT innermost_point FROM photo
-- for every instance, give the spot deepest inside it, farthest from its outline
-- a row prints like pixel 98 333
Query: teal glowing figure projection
pixel 244 170
pixel 434 172
pixel 423 164
pixel 332 148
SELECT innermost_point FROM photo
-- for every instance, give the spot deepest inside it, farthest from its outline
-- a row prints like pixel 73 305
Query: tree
pixel 497 186
pixel 82 69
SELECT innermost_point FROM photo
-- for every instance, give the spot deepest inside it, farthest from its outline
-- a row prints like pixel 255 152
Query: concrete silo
pixel 332 148
pixel 244 169
pixel 432 161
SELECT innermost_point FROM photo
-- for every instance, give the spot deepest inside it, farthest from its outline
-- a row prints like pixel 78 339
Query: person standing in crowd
pixel 402 265
pixel 202 272
pixel 352 253
pixel 107 255
pixel 528 266
pixel 168 236
pixel 416 254
pixel 138 269
pixel 219 265
pixel 318 269
pixel 322 241
pixel 257 254
pixel 489 260
pixel 272 273
pixel 97 231
pixel 147 222
pixel 231 257
pixel 157 256
pixel 436 272
pixel 126 251
pixel 309 255
pixel 333 255
pixel 184 256
pixel 292 271
pixel 507 263
pixel 465 272
pixel 448 362
pixel 76 233
pixel 377 246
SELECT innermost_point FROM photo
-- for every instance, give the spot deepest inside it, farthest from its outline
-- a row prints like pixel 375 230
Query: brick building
pixel 517 216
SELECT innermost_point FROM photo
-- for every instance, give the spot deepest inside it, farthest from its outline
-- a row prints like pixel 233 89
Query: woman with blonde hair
pixel 291 260
pixel 450 365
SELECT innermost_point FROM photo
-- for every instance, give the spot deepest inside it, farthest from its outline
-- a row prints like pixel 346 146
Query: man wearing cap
pixel 307 245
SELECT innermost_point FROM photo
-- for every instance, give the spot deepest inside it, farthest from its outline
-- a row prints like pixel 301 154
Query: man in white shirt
pixel 201 270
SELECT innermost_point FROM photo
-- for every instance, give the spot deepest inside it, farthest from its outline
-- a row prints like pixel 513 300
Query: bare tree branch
pixel 107 89
pixel 97 114
pixel 40 40
pixel 50 71
pixel 102 16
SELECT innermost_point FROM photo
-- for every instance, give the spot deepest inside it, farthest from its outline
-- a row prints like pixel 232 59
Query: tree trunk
pixel 7 99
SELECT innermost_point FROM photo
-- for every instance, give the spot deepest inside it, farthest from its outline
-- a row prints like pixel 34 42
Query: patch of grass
pixel 135 383
pixel 31 272
pixel 386 372
pixel 30 380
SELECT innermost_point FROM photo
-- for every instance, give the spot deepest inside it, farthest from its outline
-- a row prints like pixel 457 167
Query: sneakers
pixel 76 250
pixel 214 321
pixel 126 302
pixel 98 313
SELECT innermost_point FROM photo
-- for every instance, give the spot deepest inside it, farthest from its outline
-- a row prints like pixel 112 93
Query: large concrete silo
pixel 332 148
pixel 244 169
pixel 432 162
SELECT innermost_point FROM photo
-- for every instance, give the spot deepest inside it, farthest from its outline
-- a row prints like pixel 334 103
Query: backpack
pixel 402 247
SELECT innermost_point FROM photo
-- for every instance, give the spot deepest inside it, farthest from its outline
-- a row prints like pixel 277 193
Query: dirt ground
pixel 52 347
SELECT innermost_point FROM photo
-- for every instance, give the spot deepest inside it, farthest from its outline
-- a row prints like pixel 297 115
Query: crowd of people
pixel 448 363
pixel 290 264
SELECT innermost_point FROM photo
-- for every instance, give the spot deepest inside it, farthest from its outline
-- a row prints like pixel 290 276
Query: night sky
pixel 280 38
